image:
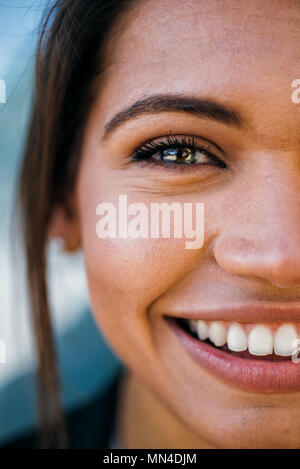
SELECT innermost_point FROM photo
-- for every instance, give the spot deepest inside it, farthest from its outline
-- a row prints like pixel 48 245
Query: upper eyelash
pixel 146 151
pixel 172 141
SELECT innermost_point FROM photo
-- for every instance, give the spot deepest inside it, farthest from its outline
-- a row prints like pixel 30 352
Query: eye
pixel 175 151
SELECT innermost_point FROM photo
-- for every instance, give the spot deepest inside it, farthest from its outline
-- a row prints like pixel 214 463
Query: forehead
pixel 173 43
pixel 240 53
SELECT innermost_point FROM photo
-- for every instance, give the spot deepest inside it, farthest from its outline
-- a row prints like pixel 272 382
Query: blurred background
pixel 86 364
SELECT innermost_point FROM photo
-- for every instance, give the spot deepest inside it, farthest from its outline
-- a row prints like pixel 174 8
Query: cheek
pixel 126 276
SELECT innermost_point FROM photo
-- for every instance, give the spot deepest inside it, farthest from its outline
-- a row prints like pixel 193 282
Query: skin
pixel 244 55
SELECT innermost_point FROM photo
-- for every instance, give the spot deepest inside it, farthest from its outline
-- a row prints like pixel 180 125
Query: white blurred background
pixel 19 26
pixel 18 33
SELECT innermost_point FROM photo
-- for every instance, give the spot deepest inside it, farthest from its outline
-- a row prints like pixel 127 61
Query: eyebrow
pixel 202 108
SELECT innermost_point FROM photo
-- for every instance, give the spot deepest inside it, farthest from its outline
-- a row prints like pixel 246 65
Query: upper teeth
pixel 261 340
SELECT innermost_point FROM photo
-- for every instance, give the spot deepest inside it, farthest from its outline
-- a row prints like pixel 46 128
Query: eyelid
pixel 181 136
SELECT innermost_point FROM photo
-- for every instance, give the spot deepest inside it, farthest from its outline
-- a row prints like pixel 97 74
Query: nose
pixel 264 242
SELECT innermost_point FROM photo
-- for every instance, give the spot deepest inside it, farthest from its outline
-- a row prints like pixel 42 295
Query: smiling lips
pixel 256 357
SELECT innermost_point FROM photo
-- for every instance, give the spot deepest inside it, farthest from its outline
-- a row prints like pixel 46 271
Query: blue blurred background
pixel 86 363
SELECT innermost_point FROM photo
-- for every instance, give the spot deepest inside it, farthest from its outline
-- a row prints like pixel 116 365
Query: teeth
pixel 283 341
pixel 193 325
pixel 236 339
pixel 217 334
pixel 260 341
pixel 202 330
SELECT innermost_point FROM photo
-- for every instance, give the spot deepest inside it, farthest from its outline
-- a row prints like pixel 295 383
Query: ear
pixel 64 224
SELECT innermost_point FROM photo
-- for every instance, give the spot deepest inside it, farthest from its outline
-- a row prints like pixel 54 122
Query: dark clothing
pixel 91 426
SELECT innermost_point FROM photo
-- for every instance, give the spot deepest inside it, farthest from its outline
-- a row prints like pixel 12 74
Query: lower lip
pixel 256 375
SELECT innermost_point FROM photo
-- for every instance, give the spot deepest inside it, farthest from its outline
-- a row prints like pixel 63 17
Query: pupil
pixel 178 155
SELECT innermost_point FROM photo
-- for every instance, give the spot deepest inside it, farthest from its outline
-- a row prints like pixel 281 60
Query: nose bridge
pixel 276 207
pixel 267 243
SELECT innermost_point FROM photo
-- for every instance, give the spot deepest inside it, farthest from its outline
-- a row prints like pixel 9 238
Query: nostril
pixel 279 265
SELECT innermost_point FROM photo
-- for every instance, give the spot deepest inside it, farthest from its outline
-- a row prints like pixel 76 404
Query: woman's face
pixel 235 63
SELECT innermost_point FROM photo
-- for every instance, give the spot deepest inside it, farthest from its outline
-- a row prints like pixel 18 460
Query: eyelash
pixel 145 153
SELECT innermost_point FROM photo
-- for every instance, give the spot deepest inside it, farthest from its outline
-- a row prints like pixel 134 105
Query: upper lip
pixel 245 313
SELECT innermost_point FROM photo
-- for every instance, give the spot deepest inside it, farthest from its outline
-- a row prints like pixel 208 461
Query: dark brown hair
pixel 71 56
